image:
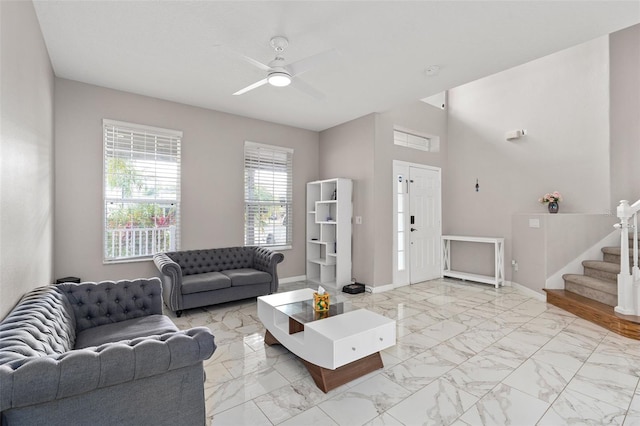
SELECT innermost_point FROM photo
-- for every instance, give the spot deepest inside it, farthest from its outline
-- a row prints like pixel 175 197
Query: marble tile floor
pixel 466 354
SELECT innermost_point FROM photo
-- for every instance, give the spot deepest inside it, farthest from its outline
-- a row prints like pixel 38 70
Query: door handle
pixel 413 229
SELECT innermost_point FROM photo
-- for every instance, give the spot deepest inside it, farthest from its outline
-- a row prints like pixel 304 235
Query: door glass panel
pixel 400 200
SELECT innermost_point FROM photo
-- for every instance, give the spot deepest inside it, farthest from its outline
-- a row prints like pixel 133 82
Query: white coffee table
pixel 337 349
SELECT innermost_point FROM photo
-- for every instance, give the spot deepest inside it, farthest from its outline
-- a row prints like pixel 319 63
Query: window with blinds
pixel 268 195
pixel 141 190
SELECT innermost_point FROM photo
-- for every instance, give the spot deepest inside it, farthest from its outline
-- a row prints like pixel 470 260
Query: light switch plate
pixel 534 223
pixel 358 220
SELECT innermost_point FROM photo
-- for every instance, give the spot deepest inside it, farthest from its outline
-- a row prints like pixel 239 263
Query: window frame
pixel 247 204
pixel 415 140
pixel 175 141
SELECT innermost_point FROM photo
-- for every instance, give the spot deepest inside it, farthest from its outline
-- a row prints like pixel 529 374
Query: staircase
pixel 600 279
pixel 594 294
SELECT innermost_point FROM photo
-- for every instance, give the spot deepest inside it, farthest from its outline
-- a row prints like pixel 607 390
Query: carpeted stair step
pixel 600 269
pixel 630 241
pixel 598 286
pixel 612 255
pixel 604 291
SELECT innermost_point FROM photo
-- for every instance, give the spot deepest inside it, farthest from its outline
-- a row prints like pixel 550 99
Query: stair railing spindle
pixel 636 271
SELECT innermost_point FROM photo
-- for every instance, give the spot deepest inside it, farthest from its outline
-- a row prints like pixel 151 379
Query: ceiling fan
pixel 280 74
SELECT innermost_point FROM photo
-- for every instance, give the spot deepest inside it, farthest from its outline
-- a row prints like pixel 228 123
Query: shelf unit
pixel 498 247
pixel 329 211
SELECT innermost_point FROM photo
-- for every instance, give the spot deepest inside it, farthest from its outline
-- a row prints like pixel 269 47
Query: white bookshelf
pixel 329 211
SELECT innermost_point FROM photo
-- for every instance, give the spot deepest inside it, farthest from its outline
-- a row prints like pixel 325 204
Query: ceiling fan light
pixel 279 79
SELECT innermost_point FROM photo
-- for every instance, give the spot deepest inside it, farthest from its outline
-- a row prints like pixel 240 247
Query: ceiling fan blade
pixel 306 88
pixel 304 65
pixel 239 55
pixel 255 63
pixel 251 87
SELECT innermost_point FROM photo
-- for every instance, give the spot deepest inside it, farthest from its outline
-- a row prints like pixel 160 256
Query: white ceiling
pixel 167 49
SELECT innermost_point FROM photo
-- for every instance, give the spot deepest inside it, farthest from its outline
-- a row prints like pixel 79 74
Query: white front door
pixel 417 223
pixel 424 202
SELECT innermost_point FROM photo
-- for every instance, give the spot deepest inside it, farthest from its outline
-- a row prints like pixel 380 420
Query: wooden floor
pixel 596 312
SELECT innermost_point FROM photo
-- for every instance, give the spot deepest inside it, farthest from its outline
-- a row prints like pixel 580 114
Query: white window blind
pixel 268 195
pixel 141 190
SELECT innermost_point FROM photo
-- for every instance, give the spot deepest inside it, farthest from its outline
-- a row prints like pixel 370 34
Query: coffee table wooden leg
pixel 327 379
pixel 269 339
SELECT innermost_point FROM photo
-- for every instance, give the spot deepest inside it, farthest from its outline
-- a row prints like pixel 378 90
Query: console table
pixel 497 279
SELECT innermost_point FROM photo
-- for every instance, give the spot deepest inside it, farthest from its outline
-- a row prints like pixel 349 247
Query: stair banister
pixel 636 271
pixel 629 277
pixel 635 208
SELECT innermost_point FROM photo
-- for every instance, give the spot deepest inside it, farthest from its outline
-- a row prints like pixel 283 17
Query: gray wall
pixel 26 155
pixel 363 150
pixel 544 251
pixel 625 114
pixel 212 212
pixel 419 117
pixel 563 102
pixel 347 151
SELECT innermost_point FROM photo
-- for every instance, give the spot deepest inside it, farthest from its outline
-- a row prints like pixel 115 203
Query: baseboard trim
pixel 293 279
pixel 529 292
pixel 380 288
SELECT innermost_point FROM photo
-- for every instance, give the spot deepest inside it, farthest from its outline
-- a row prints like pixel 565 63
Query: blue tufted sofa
pixel 100 354
pixel 195 278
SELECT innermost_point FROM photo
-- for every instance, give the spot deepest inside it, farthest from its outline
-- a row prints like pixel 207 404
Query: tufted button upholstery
pixel 111 301
pixel 63 375
pixel 213 260
pixel 191 273
pixel 43 323
pixel 40 364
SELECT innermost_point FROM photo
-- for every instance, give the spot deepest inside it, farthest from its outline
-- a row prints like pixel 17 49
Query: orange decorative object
pixel 320 302
pixel 318 315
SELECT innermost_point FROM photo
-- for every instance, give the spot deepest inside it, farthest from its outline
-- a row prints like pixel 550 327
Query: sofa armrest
pixel 41 379
pixel 107 302
pixel 267 260
pixel 171 275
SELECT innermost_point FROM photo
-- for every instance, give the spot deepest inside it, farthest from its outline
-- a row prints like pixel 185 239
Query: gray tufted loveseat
pixel 100 354
pixel 195 278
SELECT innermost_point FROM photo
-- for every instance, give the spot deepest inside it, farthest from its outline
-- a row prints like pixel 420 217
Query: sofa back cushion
pixel 109 302
pixel 41 324
pixel 213 260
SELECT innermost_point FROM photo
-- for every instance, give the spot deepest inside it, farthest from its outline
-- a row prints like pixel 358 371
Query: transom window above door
pixel 414 140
